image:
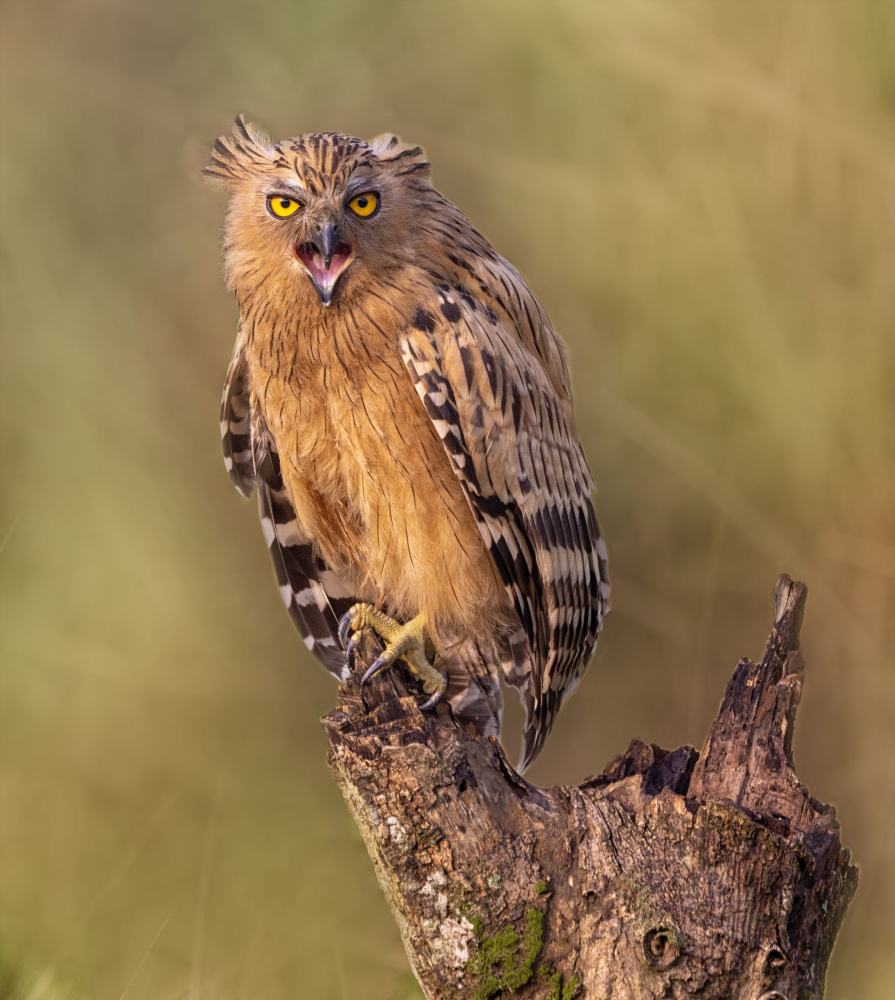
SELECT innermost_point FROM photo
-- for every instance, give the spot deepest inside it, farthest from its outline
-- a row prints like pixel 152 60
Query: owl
pixel 401 404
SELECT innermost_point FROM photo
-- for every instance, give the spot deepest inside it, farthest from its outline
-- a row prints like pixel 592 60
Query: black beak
pixel 327 240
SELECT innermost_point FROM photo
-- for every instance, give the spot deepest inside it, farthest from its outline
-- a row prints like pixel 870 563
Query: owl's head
pixel 322 211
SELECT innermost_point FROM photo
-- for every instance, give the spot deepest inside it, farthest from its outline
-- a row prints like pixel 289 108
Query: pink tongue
pixel 318 265
pixel 313 260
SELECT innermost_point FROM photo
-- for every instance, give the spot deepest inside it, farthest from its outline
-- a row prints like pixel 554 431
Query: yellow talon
pixel 410 642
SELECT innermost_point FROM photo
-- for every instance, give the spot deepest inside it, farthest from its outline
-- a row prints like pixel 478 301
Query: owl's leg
pixel 409 642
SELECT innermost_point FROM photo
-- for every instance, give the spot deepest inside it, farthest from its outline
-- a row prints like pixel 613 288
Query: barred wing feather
pixel 315 596
pixel 506 424
pixel 236 429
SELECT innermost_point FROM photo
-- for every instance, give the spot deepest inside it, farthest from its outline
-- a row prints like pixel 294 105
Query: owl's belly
pixel 372 486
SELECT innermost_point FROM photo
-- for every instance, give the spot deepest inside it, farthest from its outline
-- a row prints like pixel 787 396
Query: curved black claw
pixel 374 668
pixel 345 625
pixel 351 656
pixel 432 702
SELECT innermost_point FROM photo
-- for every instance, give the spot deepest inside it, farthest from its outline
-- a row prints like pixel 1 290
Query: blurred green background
pixel 702 195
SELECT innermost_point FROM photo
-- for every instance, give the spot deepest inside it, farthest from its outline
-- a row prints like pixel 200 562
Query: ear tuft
pixel 407 159
pixel 250 133
pixel 236 156
pixel 383 143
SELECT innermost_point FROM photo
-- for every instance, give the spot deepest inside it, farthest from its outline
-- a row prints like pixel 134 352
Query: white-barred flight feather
pixel 545 541
pixel 314 610
pixel 236 430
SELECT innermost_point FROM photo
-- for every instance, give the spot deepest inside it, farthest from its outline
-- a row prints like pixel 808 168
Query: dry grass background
pixel 702 194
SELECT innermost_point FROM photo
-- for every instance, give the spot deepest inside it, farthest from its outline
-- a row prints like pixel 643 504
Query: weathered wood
pixel 670 874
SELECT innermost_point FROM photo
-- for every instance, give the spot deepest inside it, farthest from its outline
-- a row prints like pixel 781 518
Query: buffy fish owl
pixel 399 400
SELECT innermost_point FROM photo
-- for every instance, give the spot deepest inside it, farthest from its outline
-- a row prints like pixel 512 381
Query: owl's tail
pixel 473 684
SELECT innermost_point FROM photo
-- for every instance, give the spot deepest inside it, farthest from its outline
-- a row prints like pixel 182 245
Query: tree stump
pixel 671 874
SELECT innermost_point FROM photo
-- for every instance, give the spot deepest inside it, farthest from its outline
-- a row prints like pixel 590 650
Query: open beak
pixel 325 257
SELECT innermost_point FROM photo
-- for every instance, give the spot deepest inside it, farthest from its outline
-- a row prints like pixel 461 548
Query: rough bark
pixel 670 874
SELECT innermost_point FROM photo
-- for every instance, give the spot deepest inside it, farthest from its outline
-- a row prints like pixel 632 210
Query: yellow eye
pixel 282 207
pixel 365 205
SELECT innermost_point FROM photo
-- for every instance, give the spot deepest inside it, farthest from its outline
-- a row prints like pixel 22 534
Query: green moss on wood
pixel 504 961
pixel 554 981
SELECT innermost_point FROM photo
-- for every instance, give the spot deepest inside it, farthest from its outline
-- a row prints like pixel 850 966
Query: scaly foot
pixel 409 642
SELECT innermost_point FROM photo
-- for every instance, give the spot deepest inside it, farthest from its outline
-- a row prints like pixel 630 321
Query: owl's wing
pixel 236 427
pixel 497 396
pixel 315 596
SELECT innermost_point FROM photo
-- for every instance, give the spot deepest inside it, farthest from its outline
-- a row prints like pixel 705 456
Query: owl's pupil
pixel 361 202
pixel 284 203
